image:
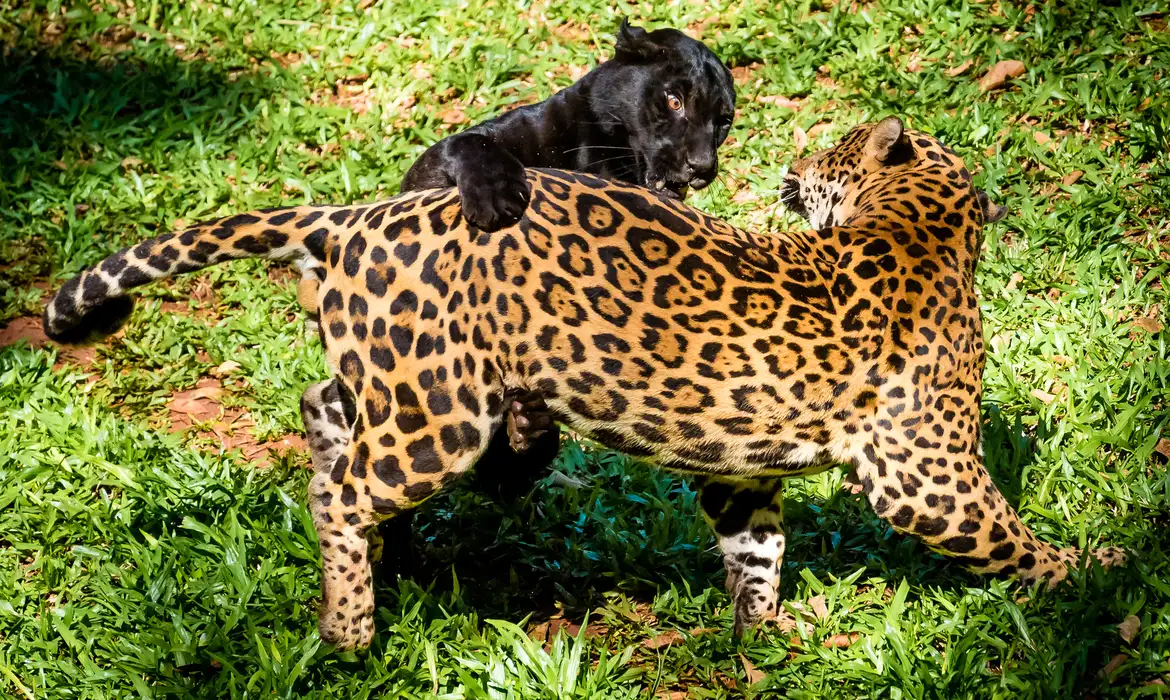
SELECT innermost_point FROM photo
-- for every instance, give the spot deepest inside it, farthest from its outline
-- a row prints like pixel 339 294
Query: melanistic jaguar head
pixel 884 169
pixel 675 100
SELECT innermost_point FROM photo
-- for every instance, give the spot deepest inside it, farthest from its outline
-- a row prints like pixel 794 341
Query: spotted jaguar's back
pixel 662 332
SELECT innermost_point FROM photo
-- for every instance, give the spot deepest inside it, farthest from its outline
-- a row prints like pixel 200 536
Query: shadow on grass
pixel 56 101
pixel 489 550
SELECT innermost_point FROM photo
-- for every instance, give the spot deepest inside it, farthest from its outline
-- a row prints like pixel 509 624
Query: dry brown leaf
pixel 1041 137
pixel 226 368
pixel 819 608
pixel 131 161
pixel 1163 448
pixel 1129 628
pixel 548 630
pixel 779 101
pixel 841 641
pixel 1073 177
pixel 818 129
pixel 200 403
pixel 700 631
pixel 742 74
pixel 1113 665
pixel 745 197
pixel 1016 278
pixel 1000 74
pixel 961 68
pixel 1043 396
pixel 665 639
pixel 453 114
pixel 753 674
pixel 1147 324
pixel 799 139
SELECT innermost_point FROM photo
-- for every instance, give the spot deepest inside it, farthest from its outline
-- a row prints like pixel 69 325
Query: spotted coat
pixel 738 358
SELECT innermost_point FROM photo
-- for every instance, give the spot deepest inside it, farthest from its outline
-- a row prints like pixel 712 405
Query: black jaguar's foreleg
pixel 528 419
pixel 518 457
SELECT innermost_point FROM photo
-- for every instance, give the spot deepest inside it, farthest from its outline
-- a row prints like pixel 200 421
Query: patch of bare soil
pixel 199 409
pixel 29 329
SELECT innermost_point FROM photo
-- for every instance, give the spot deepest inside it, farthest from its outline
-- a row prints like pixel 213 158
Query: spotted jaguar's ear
pixel 888 143
pixel 633 43
pixel 992 212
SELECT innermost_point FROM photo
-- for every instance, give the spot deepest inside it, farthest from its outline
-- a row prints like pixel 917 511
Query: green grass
pixel 135 564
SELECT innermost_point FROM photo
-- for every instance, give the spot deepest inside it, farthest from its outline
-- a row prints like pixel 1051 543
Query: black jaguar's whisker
pixel 600 148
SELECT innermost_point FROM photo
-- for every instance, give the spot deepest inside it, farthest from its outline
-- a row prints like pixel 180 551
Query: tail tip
pixel 67 326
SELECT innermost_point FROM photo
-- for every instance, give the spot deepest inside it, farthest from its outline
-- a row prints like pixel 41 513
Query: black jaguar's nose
pixel 700 171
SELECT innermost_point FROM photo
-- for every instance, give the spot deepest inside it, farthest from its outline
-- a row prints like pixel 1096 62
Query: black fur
pixel 615 122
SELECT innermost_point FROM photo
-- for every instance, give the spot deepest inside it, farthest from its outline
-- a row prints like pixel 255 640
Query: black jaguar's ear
pixel 888 143
pixel 633 43
pixel 992 212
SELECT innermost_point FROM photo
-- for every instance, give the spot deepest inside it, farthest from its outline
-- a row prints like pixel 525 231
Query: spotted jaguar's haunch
pixel 657 330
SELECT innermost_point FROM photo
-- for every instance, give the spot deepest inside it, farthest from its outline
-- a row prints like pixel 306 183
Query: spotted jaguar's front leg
pixel 927 478
pixel 748 518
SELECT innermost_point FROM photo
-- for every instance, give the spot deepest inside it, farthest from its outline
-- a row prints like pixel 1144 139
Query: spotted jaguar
pixel 737 358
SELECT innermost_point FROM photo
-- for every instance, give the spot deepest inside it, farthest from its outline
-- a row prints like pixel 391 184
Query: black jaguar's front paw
pixel 495 196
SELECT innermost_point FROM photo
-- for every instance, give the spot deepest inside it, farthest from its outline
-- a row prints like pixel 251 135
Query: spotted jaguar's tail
pixel 95 301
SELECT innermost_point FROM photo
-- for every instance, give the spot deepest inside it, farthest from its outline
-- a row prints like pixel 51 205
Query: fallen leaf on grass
pixel 1147 324
pixel 1113 665
pixel 1163 448
pixel 548 630
pixel 841 641
pixel 818 129
pixel 799 139
pixel 960 69
pixel 745 197
pixel 819 608
pixel 200 403
pixel 1000 74
pixel 671 695
pixel 779 101
pixel 453 115
pixel 666 638
pixel 225 368
pixel 1043 396
pixel 1041 137
pixel 753 674
pixel 1129 628
pixel 1073 177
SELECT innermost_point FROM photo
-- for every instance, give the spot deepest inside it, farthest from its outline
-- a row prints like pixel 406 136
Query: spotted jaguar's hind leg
pixel 397 457
pixel 747 515
pixel 328 416
pixel 924 473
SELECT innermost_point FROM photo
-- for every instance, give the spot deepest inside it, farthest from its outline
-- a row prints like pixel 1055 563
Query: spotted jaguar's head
pixel 676 101
pixel 882 166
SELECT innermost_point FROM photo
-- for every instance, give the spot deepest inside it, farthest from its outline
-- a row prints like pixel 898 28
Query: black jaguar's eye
pixel 673 102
